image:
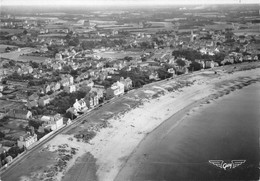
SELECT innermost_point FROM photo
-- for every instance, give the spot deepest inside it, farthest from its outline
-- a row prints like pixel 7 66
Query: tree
pixel 145 45
pixel 218 44
pixel 74 73
pixel 237 49
pixel 127 58
pixel 188 54
pixel 194 66
pixel 12 63
pixel 70 115
pixel 14 151
pixel 25 32
pixel 180 62
pixel 219 57
pixel 88 45
pixel 8 49
pixel 2 135
pixel 74 42
pixel 144 59
pixel 50 92
pixel 163 74
pixel 67 68
pixel 34 64
pixel 35 124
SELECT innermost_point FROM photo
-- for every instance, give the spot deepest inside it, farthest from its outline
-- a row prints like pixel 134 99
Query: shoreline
pixel 106 154
pixel 109 162
pixel 172 123
pixel 148 150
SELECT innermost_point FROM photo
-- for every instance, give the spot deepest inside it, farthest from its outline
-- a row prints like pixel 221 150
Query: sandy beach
pixel 105 155
pixel 112 146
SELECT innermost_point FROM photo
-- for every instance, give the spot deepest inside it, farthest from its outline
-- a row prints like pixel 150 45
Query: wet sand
pixel 180 148
pixel 112 147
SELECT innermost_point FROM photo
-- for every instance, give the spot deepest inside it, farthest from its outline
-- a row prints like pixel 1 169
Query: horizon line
pixel 123 2
pixel 125 5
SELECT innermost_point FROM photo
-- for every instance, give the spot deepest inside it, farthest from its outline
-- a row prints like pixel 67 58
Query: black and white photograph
pixel 129 90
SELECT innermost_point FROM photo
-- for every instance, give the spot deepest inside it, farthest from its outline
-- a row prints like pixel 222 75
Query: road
pixel 81 118
pixel 75 123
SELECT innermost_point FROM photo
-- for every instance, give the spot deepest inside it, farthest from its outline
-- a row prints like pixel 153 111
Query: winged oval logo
pixel 222 164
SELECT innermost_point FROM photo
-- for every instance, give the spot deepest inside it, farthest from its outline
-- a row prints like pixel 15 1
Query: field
pixel 160 24
pixel 16 124
pixel 119 55
pixel 99 22
pixel 11 31
pixel 16 127
pixel 9 105
pixel 151 30
pixel 16 54
pixel 53 35
pixel 3 47
pixel 249 31
pixel 218 26
pixel 26 58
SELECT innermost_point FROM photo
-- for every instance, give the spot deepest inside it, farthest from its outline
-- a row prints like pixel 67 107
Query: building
pixel 86 23
pixel 100 90
pixel 33 97
pixel 67 121
pixel 154 76
pixel 181 70
pixel 79 105
pixel 227 60
pixel 58 56
pixel 52 122
pixel 91 99
pixel 43 101
pixel 66 80
pixel 9 159
pixel 128 83
pixel 55 86
pixel 116 89
pixel 46 89
pixel 201 62
pixel 58 119
pixel 1 87
pixel 209 64
pixel 171 71
pixel 27 140
pixel 31 104
pixel 70 88
pixel 72 111
pixel 3 149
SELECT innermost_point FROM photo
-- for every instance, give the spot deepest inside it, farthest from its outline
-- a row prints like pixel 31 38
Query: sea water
pixel 223 131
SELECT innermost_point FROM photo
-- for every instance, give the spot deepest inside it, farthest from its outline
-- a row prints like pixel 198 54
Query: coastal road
pixel 75 123
pixel 11 168
pixel 85 116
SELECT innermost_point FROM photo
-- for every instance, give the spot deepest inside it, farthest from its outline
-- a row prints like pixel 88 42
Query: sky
pixel 119 2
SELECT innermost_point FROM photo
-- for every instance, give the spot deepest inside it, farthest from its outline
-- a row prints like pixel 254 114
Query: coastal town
pixel 57 67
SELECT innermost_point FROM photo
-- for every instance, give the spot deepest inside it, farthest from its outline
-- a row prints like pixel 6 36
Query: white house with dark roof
pixel 79 105
pixel 54 122
pixel 116 89
pixel 27 140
